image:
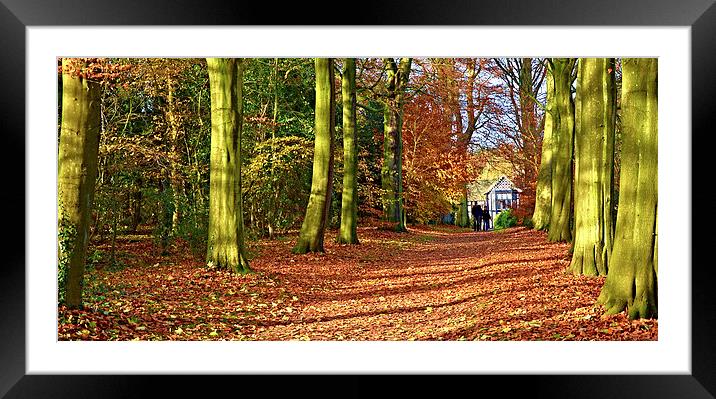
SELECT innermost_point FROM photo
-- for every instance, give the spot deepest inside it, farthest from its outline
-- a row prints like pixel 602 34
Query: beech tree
pixel 543 190
pixel 631 283
pixel 225 247
pixel 392 173
pixel 349 197
pixel 562 146
pixel 314 224
pixel 594 166
pixel 77 171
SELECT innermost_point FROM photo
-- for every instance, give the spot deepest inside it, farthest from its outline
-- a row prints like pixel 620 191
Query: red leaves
pixel 437 283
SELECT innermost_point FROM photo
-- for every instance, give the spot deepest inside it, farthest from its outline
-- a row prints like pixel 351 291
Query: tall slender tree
pixel 631 283
pixel 314 224
pixel 562 148
pixel 392 173
pixel 543 195
pixel 349 197
pixel 594 166
pixel 77 172
pixel 226 223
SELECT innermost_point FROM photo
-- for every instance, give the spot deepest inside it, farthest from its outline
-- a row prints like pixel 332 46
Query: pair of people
pixel 480 217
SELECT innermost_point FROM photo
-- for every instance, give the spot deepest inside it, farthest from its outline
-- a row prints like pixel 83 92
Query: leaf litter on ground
pixel 431 283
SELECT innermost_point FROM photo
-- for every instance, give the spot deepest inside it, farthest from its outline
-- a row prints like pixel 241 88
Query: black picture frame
pixel 15 15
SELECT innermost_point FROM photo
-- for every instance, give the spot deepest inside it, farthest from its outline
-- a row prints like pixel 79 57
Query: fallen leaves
pixel 456 285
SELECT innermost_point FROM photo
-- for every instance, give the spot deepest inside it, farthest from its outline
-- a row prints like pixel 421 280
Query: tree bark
pixel 562 144
pixel 174 156
pixel 543 196
pixel 392 171
pixel 314 224
pixel 594 166
pixel 77 172
pixel 632 280
pixel 349 198
pixel 225 247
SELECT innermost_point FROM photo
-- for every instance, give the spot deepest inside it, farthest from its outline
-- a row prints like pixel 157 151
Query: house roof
pixel 501 179
pixel 479 188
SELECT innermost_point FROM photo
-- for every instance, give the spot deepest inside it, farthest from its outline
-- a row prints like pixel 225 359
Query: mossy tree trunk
pixel 632 280
pixel 225 247
pixel 314 224
pixel 562 147
pixel 543 195
pixel 594 166
pixel 463 219
pixel 349 197
pixel 392 171
pixel 76 175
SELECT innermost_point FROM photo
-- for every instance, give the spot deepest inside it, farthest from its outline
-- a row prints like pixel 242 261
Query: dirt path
pixel 427 284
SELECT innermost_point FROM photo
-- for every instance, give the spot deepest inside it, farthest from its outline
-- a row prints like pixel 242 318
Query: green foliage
pixel 505 219
pixel 527 222
pixel 193 229
pixel 66 238
pixel 162 232
pixel 276 183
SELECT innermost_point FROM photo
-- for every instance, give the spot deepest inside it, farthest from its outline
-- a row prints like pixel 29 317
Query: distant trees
pixel 76 174
pixel 314 224
pixel 524 117
pixel 225 247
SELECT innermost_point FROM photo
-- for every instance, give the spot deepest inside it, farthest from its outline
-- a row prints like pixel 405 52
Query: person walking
pixel 476 217
pixel 486 218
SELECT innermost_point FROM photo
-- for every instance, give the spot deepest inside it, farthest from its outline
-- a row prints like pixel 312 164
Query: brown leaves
pixel 99 69
pixel 437 283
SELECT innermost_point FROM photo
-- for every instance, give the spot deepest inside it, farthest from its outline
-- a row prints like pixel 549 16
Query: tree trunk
pixel 77 172
pixel 349 198
pixel 562 144
pixel 226 223
pixel 632 281
pixel 273 199
pixel 314 224
pixel 174 156
pixel 529 132
pixel 463 220
pixel 543 196
pixel 136 206
pixel 594 166
pixel 392 172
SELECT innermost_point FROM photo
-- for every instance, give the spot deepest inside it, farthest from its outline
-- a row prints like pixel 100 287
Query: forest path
pixel 435 285
pixel 431 283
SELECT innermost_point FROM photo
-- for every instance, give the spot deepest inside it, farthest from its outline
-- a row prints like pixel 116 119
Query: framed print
pixel 33 29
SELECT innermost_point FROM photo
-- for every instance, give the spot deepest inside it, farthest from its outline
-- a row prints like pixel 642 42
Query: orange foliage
pixel 434 164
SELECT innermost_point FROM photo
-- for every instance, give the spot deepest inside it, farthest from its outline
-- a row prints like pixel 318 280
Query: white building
pixel 493 195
